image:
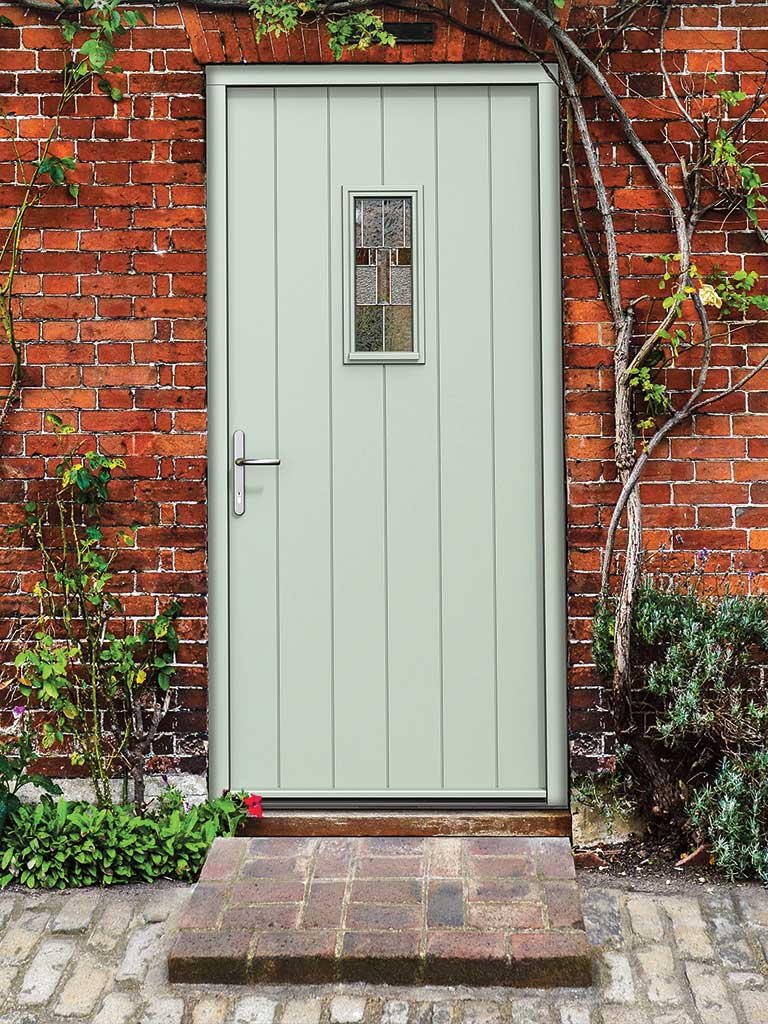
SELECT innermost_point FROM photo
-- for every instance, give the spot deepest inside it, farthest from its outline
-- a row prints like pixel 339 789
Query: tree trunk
pixel 624 443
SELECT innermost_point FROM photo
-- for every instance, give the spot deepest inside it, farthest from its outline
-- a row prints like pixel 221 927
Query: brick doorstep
pixel 445 911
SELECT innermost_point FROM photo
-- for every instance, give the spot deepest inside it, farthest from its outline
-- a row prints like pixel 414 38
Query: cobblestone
pixel 76 914
pixel 666 957
pixel 45 971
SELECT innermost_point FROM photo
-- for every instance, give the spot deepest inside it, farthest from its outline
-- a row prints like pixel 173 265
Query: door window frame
pixel 221 79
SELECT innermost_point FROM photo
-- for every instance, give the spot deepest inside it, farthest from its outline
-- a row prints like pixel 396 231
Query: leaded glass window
pixel 383 274
pixel 383 246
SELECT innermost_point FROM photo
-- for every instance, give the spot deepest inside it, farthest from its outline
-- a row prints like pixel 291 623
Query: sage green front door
pixel 387 578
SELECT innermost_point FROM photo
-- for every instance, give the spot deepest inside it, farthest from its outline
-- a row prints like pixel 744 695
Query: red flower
pixel 253 806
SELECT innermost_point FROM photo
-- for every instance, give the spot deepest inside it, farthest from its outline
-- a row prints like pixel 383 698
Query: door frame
pixel 218 80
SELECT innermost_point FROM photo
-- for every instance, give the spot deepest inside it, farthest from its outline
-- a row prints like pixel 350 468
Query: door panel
pixel 413 485
pixel 252 333
pixel 466 441
pixel 304 434
pixel 386 604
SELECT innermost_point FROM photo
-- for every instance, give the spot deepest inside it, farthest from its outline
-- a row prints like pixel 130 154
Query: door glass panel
pixel 383 274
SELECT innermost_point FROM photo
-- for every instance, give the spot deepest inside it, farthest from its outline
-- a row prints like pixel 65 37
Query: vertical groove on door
pixel 492 324
pixel 278 632
pixel 439 432
pixel 387 703
pixel 331 354
pixel 384 459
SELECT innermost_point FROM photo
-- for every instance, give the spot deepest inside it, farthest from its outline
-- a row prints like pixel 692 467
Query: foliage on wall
pixel 90 31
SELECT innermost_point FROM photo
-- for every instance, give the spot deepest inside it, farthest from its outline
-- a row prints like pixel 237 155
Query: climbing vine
pixel 90 30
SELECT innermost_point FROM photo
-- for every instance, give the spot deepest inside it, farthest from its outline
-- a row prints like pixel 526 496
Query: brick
pixel 276 867
pixel 364 916
pixel 375 956
pixel 259 891
pixel 502 890
pixel 210 956
pixel 506 915
pixel 445 904
pixel 389 867
pixel 324 905
pixel 554 859
pixel 262 915
pixel 501 867
pixel 549 959
pixel 205 909
pixel 563 904
pixel 407 890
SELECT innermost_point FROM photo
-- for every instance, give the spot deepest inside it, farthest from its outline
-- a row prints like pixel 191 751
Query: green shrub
pixel 731 814
pixel 57 845
pixel 696 695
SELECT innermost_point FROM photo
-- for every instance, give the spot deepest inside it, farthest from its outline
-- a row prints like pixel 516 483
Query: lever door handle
pixel 240 462
pixel 257 462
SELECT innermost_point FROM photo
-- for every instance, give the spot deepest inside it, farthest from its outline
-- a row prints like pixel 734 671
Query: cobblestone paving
pixel 665 954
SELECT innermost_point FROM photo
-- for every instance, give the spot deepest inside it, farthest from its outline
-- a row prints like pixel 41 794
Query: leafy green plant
pixel 731 815
pixel 17 754
pixel 103 679
pixel 736 294
pixel 354 29
pixel 53 845
pixel 695 693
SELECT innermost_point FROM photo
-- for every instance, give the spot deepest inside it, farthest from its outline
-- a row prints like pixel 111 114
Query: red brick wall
pixel 112 313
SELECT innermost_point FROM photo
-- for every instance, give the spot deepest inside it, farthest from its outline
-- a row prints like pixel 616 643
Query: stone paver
pixel 651 966
pixel 506 911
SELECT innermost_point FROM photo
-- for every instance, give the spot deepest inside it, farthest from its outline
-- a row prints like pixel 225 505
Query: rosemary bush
pixel 697 696
pixel 731 814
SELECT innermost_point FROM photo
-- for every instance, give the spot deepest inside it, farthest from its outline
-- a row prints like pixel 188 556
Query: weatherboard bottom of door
pixel 554 821
pixel 401 794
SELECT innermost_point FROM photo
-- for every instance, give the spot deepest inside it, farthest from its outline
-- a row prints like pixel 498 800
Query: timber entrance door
pixel 385 406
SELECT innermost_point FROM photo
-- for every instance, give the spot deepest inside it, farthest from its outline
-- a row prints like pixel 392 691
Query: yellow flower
pixel 709 296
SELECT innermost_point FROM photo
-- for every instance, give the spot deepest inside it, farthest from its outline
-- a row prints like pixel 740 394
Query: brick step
pixel 436 910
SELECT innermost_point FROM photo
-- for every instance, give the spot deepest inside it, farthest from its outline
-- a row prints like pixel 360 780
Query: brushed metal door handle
pixel 257 462
pixel 240 462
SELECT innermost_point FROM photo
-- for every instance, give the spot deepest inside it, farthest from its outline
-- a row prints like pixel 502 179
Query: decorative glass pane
pixel 383 274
